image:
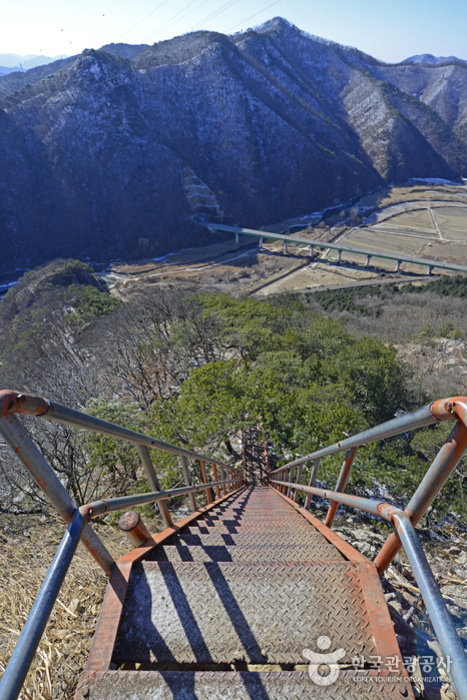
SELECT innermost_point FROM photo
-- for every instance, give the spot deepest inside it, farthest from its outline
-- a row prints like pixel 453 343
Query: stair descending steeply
pixel 232 605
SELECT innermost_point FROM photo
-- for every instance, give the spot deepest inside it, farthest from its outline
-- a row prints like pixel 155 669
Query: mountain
pixel 427 59
pixel 124 50
pixel 14 61
pixel 116 153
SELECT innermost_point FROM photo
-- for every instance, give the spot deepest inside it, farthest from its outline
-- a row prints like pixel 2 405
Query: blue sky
pixel 390 31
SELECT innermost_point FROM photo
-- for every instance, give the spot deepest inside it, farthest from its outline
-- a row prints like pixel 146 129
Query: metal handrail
pixel 15 402
pixel 20 661
pixel 78 529
pixel 454 409
pixel 404 521
pixel 402 424
pixel 441 620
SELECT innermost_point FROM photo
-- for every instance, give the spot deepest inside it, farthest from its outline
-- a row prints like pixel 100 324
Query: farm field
pixel 419 221
pixel 433 232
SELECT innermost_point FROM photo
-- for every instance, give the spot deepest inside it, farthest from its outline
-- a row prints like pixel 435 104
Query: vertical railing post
pixel 341 483
pixel 214 468
pixel 205 481
pixel 290 480
pixel 21 443
pixel 153 482
pixel 298 481
pixel 312 482
pixel 433 481
pixel 186 474
pixel 440 618
pixel 224 486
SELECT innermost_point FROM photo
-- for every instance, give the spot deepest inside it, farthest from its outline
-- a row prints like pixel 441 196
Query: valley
pixel 126 152
pixel 427 222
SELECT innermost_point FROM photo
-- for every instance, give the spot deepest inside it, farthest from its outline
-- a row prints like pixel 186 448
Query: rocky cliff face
pixel 116 153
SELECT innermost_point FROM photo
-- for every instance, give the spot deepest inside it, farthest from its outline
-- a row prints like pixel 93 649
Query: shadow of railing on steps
pixel 404 521
pixel 21 443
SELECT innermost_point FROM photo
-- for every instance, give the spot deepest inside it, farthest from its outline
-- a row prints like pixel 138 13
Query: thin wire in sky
pixel 142 20
pixel 167 26
pixel 215 14
pixel 255 15
pixel 169 21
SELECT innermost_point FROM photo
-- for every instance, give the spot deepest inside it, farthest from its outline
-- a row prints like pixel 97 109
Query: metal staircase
pixel 227 607
pixel 248 597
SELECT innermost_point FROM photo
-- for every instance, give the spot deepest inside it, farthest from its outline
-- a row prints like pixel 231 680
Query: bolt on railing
pixel 404 521
pixel 19 440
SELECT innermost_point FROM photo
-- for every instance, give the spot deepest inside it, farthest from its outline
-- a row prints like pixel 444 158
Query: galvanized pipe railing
pixel 110 505
pixel 17 669
pixel 18 439
pixel 404 521
pixel 435 478
pixel 441 620
pixel 78 529
pixel 403 424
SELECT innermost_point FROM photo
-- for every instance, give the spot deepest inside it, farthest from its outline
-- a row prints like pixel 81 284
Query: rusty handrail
pixel 16 402
pixel 454 409
pixel 402 424
pixel 443 625
pixel 19 440
pixel 17 437
pixel 404 521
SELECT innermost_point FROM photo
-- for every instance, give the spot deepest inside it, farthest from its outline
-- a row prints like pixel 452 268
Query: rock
pixel 366 549
pixel 447 692
pixel 76 605
pixel 354 519
pixel 453 550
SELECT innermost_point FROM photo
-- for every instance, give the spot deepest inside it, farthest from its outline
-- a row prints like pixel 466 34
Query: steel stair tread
pixel 292 685
pixel 261 612
pixel 240 529
pixel 252 538
pixel 278 553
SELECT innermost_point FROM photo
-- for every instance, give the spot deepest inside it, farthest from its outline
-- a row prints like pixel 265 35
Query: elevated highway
pixel 398 258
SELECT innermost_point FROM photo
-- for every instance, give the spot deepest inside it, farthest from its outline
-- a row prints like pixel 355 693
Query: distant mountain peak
pixel 427 59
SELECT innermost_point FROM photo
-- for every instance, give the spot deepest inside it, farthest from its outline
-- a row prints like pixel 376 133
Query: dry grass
pixel 65 645
pixel 27 548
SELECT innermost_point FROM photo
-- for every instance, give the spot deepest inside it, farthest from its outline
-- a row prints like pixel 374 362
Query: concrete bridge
pixel 398 258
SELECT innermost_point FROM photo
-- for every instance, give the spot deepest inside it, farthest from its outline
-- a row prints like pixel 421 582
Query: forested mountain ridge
pixel 114 153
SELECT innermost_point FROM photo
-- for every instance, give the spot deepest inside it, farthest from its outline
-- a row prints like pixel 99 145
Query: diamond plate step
pixel 279 554
pixel 247 516
pixel 271 528
pixel 251 539
pixel 177 612
pixel 152 685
